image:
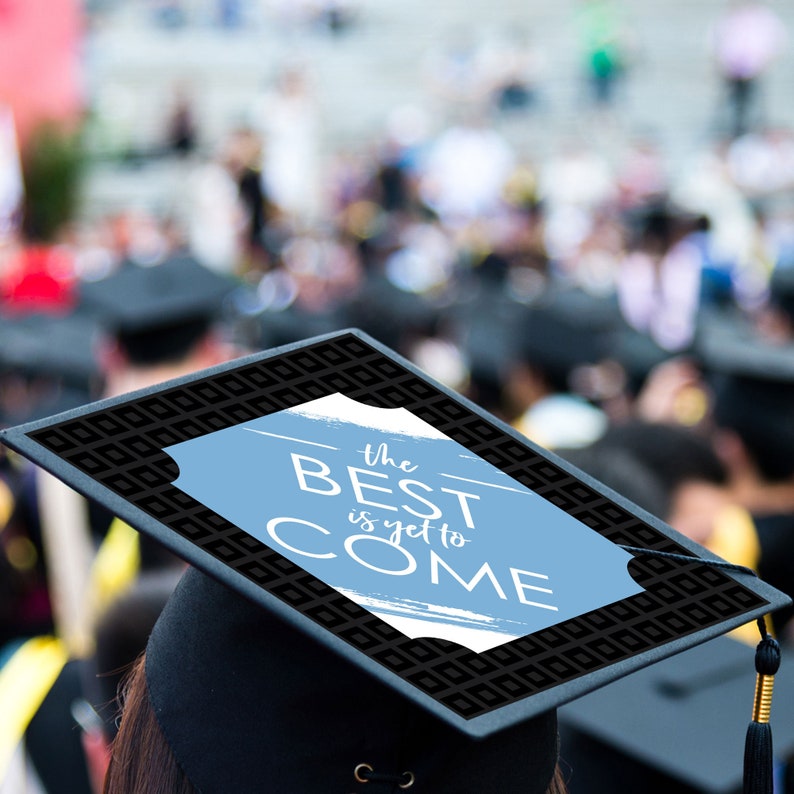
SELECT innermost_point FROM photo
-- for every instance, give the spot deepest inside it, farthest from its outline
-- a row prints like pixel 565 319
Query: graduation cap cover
pixel 390 519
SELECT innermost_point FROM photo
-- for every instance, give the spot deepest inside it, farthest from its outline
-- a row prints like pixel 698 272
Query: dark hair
pixel 165 343
pixel 142 761
pixel 557 784
pixel 761 413
pixel 620 470
pixel 673 454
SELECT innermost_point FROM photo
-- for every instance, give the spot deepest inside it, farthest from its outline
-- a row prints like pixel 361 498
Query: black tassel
pixel 758 763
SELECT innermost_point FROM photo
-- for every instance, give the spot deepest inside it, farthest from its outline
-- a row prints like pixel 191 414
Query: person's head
pixel 749 374
pixel 120 635
pixel 230 698
pixel 686 469
pixel 759 414
pixel 621 471
pixel 559 335
pixel 160 321
pixel 141 757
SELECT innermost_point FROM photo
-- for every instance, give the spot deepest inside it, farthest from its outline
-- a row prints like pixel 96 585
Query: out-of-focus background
pixel 368 66
pixel 579 214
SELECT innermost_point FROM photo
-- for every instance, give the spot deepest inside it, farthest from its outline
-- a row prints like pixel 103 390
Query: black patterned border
pixel 121 448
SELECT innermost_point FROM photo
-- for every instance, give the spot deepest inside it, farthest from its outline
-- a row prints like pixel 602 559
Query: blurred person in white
pixel 215 214
pixel 642 172
pixel 706 188
pixel 746 40
pixel 658 284
pixel 573 185
pixel 509 66
pixel 595 263
pixel 466 170
pixel 761 163
pixel 640 178
pixel 287 119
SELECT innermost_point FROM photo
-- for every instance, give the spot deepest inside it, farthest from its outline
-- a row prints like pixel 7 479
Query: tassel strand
pixel 758 756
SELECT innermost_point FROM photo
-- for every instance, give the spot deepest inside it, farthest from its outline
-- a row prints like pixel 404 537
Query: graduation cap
pixel 390 575
pixel 559 331
pixel 391 314
pixel 657 730
pixel 567 328
pixel 751 379
pixel 727 344
pixel 637 353
pixel 157 312
pixel 43 344
pixel 753 383
pixel 47 364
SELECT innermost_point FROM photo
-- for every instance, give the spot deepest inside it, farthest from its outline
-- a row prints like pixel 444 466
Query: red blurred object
pixel 39 279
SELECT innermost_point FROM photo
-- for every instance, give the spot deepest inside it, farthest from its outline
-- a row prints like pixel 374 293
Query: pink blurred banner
pixel 40 61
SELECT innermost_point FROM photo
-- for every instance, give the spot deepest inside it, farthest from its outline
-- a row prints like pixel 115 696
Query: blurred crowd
pixel 632 318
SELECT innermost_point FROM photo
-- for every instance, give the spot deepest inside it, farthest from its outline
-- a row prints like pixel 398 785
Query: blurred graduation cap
pixel 47 364
pixel 727 344
pixel 560 330
pixel 674 726
pixel 567 328
pixel 156 313
pixel 386 566
pixel 753 383
pixel 292 323
pixel 390 314
pixel 637 353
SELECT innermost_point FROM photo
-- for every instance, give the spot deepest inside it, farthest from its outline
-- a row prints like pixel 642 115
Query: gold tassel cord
pixel 762 705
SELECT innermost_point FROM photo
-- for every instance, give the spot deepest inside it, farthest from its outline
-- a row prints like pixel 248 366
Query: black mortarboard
pixel 52 359
pixel 157 312
pixel 442 562
pixel 42 344
pixel 291 324
pixel 559 331
pixel 637 353
pixel 751 379
pixel 674 726
pixel 310 709
pixel 567 328
pixel 727 344
pixel 390 314
pixel 484 324
pixel 753 383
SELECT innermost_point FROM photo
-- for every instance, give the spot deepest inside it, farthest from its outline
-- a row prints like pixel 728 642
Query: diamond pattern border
pixel 121 447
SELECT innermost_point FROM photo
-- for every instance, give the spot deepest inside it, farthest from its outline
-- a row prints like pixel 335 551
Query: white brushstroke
pixel 416 619
pixel 290 438
pixel 338 407
pixel 488 484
